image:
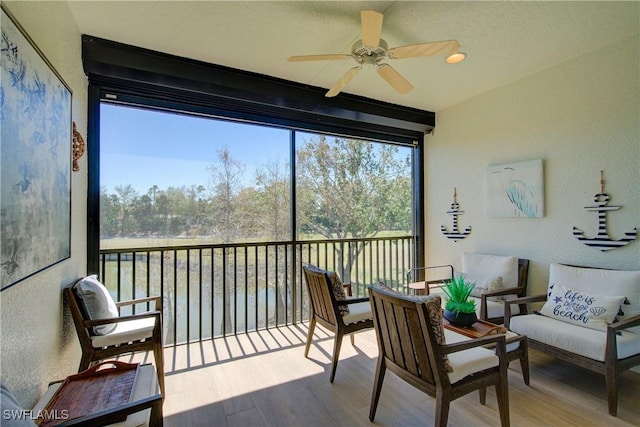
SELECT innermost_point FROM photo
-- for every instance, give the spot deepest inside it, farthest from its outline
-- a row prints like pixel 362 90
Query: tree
pixel 348 188
pixel 225 184
pixel 272 182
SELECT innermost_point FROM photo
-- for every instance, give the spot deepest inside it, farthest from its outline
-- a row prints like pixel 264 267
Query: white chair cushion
pixel 131 330
pixel 358 312
pixel 598 281
pixel 583 341
pixel 97 302
pixel 146 385
pixel 469 361
pixel 491 266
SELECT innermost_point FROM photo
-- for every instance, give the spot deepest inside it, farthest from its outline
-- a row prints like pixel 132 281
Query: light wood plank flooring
pixel 263 379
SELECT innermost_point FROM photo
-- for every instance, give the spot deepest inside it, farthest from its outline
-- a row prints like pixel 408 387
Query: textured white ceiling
pixel 504 40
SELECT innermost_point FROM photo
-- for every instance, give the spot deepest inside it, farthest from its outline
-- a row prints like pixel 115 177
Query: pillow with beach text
pixel 580 308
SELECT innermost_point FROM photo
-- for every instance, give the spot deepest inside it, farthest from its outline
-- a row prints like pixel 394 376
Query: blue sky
pixel 145 147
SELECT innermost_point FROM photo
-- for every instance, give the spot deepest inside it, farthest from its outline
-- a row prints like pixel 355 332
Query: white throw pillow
pixel 581 308
pixel 483 285
pixel 97 302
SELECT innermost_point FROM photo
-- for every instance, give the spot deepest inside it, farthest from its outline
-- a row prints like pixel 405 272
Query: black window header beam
pixel 211 88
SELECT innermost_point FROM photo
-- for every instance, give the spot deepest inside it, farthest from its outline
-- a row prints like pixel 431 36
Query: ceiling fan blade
pixel 445 47
pixel 371 27
pixel 329 57
pixel 342 82
pixel 394 78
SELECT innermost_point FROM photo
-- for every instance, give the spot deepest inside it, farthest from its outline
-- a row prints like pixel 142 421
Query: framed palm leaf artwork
pixel 35 158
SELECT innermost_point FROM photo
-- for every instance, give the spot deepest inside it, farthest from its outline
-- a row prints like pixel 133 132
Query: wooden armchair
pixel 342 317
pixel 489 305
pixel 134 333
pixel 411 345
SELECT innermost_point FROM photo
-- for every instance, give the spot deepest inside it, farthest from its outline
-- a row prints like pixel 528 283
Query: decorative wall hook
pixel 602 241
pixel 78 147
pixel 455 234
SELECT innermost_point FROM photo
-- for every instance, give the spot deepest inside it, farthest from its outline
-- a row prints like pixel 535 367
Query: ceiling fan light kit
pixel 371 50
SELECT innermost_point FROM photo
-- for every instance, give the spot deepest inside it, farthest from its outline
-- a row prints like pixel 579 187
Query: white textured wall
pixel 37 344
pixel 580 117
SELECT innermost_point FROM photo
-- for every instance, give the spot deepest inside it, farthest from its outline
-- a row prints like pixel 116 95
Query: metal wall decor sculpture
pixel 35 159
pixel 602 241
pixel 455 234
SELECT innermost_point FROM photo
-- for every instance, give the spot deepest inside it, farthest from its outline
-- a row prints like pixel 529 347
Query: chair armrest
pixel 483 298
pixel 611 349
pixel 97 322
pixel 472 343
pixel 526 300
pixel 627 323
pixel 156 300
pixel 353 300
pixel 523 300
pixel 508 291
pixel 110 416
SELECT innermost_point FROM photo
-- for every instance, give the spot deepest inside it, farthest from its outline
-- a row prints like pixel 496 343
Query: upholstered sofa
pixel 590 317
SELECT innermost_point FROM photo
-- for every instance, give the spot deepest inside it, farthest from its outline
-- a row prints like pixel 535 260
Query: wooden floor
pixel 263 379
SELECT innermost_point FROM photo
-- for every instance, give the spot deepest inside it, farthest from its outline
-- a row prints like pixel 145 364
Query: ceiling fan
pixel 373 51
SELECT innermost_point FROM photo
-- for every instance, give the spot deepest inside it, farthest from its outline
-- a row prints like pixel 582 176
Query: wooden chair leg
pixel 85 362
pixel 336 354
pixel 312 327
pixel 158 354
pixel 483 395
pixel 524 362
pixel 352 337
pixel 502 393
pixel 443 401
pixel 381 368
pixel 611 377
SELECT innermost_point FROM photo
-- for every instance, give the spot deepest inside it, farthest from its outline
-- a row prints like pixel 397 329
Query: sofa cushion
pixel 583 341
pixel 581 308
pixel 97 302
pixel 482 265
pixel 597 281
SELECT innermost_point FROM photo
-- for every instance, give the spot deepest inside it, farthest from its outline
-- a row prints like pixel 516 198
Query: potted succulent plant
pixel 459 309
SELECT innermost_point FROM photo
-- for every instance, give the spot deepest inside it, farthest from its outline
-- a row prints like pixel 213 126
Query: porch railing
pixel 224 289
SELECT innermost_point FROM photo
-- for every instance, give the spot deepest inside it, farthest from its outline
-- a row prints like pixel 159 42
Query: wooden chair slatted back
pixel 401 335
pixel 323 303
